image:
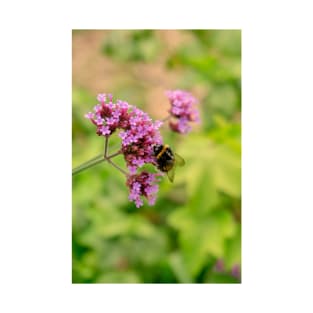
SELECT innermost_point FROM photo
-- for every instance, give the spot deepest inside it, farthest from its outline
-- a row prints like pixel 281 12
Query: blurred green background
pixel 193 233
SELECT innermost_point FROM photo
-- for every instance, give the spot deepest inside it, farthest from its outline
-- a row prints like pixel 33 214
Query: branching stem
pixel 99 159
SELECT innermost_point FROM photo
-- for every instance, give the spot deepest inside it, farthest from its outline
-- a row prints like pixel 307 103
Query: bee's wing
pixel 171 174
pixel 179 160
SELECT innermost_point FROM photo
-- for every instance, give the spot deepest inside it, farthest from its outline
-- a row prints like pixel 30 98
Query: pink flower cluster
pixel 139 138
pixel 143 185
pixel 138 133
pixel 182 110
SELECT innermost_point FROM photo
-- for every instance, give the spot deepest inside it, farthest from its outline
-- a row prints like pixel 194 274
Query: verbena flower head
pixel 137 130
pixel 143 185
pixel 139 138
pixel 182 110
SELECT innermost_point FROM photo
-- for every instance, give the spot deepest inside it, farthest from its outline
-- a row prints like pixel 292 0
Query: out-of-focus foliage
pixel 137 45
pixel 196 221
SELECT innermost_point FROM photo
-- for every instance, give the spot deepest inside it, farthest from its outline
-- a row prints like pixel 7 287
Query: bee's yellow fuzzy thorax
pixel 162 151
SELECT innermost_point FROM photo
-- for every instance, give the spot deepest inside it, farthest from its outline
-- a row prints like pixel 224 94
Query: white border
pixel 36 159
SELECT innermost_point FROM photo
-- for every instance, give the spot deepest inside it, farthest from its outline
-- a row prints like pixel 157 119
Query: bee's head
pixel 157 148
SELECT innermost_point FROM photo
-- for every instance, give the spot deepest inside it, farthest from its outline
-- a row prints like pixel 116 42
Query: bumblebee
pixel 167 160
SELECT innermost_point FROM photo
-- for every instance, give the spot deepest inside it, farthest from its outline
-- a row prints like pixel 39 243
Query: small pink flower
pixel 101 97
pixel 99 121
pixel 97 108
pixel 104 130
pixel 89 115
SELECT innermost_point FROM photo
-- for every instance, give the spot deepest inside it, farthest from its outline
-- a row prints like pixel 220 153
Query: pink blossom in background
pixel 182 111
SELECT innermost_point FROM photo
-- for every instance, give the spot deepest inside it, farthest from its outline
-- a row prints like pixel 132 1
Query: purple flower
pixel 182 110
pixel 143 185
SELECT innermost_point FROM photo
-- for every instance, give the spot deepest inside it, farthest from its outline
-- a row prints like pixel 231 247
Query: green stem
pixel 106 146
pixel 94 161
pixel 91 161
pixel 117 167
pixel 114 154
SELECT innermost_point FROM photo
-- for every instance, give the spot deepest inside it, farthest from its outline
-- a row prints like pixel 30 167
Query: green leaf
pixel 227 171
pixel 193 249
pixel 233 250
pixel 181 219
pixel 205 196
pixel 179 268
pixel 201 236
pixel 119 278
